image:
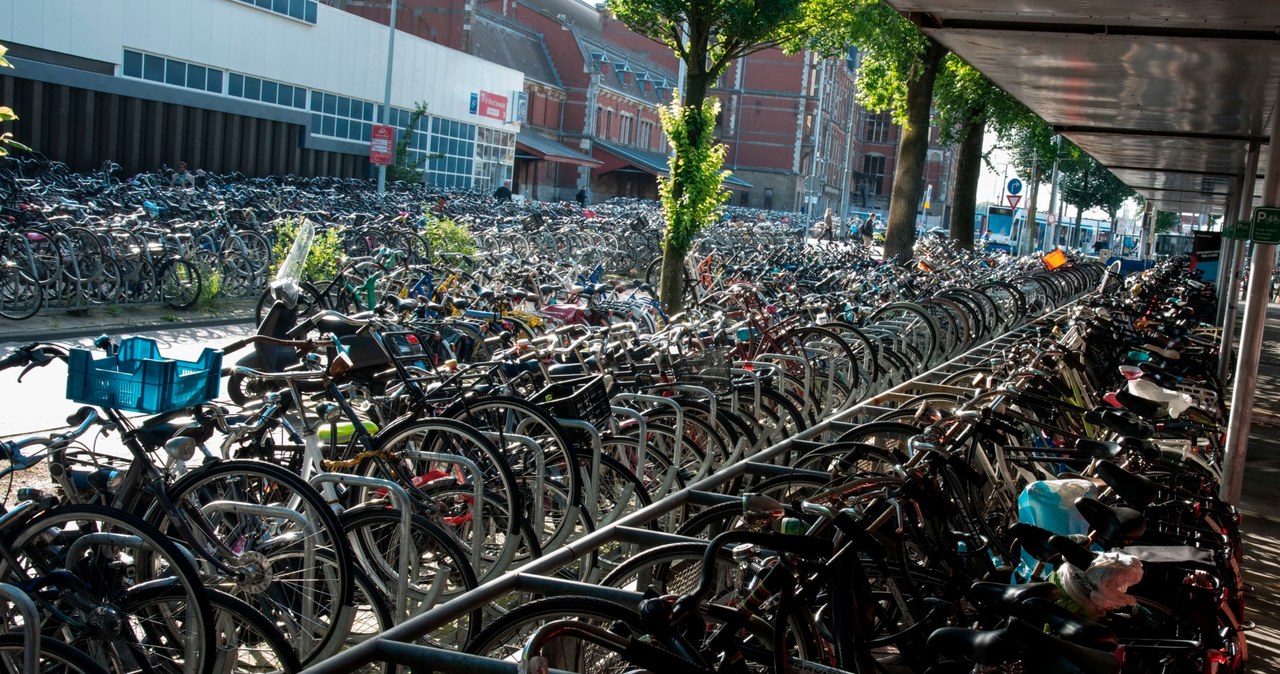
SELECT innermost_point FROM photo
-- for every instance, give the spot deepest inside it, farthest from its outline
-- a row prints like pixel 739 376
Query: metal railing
pixel 393 646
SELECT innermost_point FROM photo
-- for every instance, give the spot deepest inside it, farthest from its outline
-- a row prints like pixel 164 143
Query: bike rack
pixel 400 497
pixel 30 626
pixel 308 546
pixel 537 576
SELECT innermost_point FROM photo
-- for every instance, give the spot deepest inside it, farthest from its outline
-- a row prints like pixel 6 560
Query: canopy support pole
pixel 1231 282
pixel 1255 321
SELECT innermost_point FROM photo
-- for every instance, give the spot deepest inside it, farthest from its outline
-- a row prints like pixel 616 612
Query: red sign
pixel 1013 199
pixel 492 106
pixel 1051 219
pixel 380 146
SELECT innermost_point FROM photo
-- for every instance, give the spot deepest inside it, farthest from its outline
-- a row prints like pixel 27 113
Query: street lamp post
pixel 386 93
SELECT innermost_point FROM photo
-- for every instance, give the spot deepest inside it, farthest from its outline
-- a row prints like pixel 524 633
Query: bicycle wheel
pixel 99 559
pixel 180 283
pixel 496 526
pixel 552 463
pixel 676 568
pixel 21 296
pixel 56 657
pixel 246 640
pixel 888 435
pixel 504 638
pixel 438 567
pixel 271 526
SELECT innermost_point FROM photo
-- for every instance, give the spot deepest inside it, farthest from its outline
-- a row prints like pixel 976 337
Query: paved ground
pixel 1260 500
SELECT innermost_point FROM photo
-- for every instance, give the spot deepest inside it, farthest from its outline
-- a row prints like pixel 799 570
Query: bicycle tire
pixel 55 656
pixel 159 556
pixel 374 532
pixel 179 282
pixel 265 541
pixel 505 636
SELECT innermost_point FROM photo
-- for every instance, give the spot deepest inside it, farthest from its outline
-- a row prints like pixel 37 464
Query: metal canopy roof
pixel 1166 93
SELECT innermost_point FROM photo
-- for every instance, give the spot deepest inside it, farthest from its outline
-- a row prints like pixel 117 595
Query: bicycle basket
pixel 581 398
pixel 709 368
pixel 137 379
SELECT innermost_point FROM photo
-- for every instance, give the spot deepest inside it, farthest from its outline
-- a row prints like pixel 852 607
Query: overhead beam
pixel 1177 171
pixel 1152 133
pixel 933 21
pixel 1183 191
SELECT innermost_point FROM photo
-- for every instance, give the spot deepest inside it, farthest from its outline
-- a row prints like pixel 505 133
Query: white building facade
pixel 296 62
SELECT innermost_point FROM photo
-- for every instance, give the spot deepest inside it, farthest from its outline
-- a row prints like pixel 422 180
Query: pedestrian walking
pixel 868 230
pixel 581 197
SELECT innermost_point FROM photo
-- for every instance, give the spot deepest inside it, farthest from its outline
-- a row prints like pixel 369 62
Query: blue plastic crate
pixel 137 379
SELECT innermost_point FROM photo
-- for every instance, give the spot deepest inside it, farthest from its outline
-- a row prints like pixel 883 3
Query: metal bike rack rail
pixel 394 646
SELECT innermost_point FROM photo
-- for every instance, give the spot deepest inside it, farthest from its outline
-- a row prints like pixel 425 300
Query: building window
pixel 302 10
pixel 875 127
pixel 646 134
pixel 266 91
pixel 495 156
pixel 334 116
pixel 171 71
pixel 420 141
pixel 453 149
pixel 873 166
pixel 608 124
pixel 624 132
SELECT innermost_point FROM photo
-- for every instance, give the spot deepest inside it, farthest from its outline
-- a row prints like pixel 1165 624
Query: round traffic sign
pixel 1015 186
pixel 1051 219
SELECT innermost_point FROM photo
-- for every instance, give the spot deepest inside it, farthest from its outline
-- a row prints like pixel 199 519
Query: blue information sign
pixel 1015 186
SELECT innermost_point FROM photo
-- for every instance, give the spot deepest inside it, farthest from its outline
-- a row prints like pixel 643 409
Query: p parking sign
pixel 1266 225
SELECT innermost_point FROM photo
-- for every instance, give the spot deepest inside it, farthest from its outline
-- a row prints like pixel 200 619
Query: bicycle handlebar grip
pixel 15 359
pixel 80 416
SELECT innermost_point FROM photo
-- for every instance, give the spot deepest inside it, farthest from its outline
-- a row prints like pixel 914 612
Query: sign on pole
pixel 380 144
pixel 1266 225
pixel 1014 199
pixel 1051 219
pixel 1015 186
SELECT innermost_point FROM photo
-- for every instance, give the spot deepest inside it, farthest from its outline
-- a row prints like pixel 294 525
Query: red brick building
pixel 796 136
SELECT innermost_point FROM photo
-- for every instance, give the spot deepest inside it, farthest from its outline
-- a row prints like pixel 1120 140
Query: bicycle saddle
pixel 1135 490
pixel 1122 422
pixel 1002 598
pixel 1136 404
pixel 1099 449
pixel 1053 655
pixel 401 304
pixel 1035 542
pixel 1112 525
pixel 1068 625
pixel 992 647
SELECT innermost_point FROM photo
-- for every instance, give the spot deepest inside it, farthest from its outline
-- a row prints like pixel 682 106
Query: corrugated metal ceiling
pixel 1167 93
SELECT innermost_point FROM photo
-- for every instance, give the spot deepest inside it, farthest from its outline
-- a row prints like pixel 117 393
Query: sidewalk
pixel 1259 498
pixel 51 324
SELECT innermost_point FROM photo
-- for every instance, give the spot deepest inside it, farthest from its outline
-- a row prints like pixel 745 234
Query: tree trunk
pixel 964 190
pixel 1075 233
pixel 913 149
pixel 671 286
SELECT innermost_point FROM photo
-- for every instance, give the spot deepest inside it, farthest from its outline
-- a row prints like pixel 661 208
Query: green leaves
pixel 692 193
pixel 405 168
pixel 7 115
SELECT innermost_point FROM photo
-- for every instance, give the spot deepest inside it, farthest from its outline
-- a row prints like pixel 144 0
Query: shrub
pixel 446 236
pixel 325 257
